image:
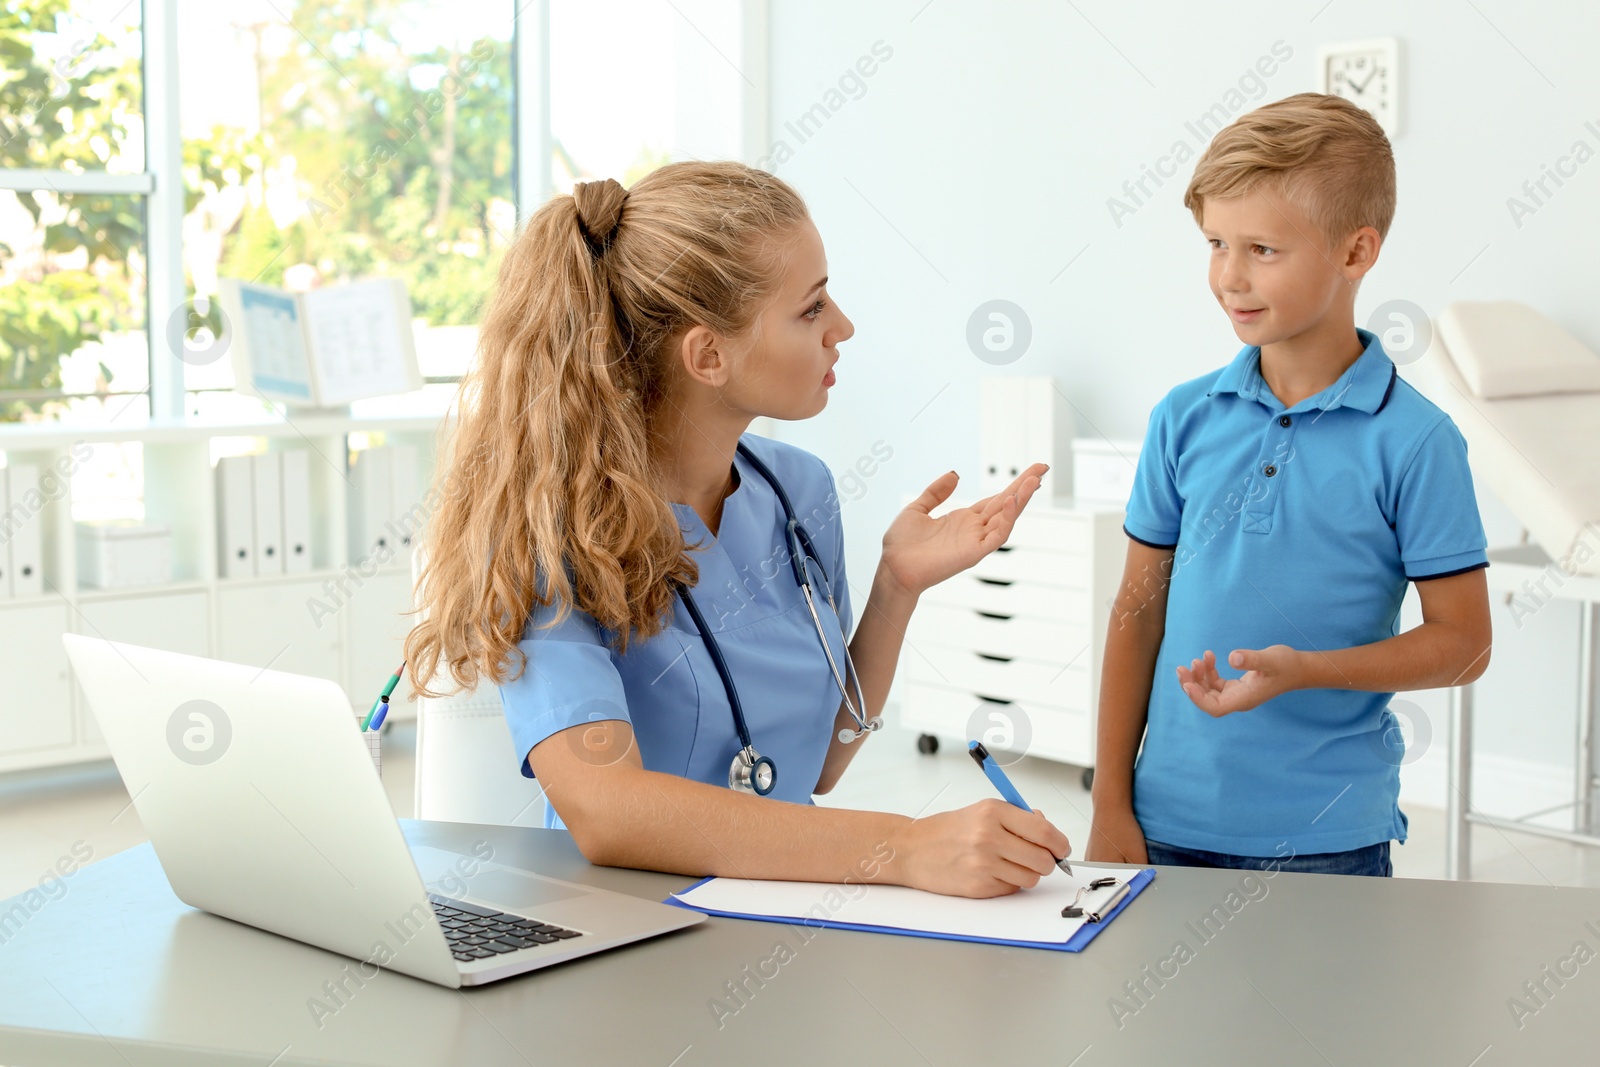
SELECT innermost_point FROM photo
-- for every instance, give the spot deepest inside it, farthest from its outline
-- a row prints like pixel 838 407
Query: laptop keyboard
pixel 476 933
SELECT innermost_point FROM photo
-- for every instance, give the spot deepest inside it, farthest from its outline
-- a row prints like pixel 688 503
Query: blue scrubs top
pixel 1298 526
pixel 667 687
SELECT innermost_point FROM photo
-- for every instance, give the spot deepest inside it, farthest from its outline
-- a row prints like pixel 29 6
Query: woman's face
pixel 785 367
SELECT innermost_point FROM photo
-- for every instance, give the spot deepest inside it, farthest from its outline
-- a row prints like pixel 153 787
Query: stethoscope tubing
pixel 719 663
pixel 801 548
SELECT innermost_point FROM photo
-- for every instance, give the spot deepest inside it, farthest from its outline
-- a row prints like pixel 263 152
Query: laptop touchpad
pixel 447 873
pixel 516 892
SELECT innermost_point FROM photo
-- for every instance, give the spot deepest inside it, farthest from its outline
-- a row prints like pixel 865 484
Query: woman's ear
pixel 704 357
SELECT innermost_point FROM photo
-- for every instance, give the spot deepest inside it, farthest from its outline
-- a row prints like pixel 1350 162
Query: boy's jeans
pixel 1372 861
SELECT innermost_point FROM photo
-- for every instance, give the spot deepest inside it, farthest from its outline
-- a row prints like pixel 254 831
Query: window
pixel 309 142
pixel 665 84
pixel 72 221
pixel 340 139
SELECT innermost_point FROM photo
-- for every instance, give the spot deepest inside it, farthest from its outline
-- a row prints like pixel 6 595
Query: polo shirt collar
pixel 1365 385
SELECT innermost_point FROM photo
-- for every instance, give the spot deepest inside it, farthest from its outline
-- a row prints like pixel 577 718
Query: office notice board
pixel 322 348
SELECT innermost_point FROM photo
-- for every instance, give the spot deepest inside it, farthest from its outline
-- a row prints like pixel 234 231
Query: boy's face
pixel 1272 271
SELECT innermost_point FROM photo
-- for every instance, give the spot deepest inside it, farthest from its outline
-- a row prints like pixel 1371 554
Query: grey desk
pixel 1312 970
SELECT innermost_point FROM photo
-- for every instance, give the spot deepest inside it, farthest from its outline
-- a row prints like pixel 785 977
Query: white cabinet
pixel 335 617
pixel 276 624
pixel 377 640
pixel 1009 652
pixel 35 702
pixel 172 621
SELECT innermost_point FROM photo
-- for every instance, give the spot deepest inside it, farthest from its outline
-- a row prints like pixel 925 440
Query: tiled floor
pixel 84 813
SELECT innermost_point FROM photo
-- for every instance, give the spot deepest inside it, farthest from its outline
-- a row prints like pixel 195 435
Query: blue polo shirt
pixel 1298 526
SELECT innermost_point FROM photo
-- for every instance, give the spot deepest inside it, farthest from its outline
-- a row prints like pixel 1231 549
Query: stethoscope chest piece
pixel 752 773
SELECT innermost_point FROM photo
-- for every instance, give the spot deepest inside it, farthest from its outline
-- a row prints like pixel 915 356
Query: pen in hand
pixel 981 756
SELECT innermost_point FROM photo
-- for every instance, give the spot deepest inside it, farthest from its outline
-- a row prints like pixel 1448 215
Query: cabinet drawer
pixel 1028 564
pixel 1002 679
pixel 268 625
pixel 1005 596
pixel 36 705
pixel 378 629
pixel 173 622
pixel 1000 633
pixel 1053 532
pixel 1064 734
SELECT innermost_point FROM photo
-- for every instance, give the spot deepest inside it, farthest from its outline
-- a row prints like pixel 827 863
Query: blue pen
pixel 981 756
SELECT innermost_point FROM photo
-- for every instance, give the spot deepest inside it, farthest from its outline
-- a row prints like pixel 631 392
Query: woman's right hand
pixel 1115 836
pixel 987 849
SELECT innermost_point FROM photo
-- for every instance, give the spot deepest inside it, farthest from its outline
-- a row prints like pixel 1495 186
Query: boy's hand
pixel 1268 672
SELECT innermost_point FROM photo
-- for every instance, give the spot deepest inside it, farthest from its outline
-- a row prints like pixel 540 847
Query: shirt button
pixel 1269 470
pixel 1284 420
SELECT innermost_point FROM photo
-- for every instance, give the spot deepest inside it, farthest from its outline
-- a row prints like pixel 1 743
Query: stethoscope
pixel 752 772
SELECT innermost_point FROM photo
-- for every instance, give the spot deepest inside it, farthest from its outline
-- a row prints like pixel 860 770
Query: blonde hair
pixel 1324 154
pixel 546 485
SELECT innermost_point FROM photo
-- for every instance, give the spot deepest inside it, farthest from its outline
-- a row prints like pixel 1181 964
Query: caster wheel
pixel 1088 778
pixel 927 744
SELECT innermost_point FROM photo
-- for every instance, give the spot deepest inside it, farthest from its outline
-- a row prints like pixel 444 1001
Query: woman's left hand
pixel 920 551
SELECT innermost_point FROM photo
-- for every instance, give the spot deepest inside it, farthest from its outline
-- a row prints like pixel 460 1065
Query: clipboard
pixel 1084 932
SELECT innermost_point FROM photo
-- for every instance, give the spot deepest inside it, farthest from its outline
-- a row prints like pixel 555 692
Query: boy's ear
pixel 1361 252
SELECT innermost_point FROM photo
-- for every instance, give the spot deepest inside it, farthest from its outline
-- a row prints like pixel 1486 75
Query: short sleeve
pixel 1437 524
pixel 569 679
pixel 841 584
pixel 1155 510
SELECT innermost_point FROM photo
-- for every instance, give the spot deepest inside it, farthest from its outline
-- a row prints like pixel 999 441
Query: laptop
pixel 263 806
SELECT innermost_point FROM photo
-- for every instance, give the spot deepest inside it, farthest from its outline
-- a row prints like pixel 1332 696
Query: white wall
pixel 977 161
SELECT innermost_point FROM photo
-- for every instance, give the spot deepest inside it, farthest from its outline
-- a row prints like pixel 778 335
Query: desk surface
pixel 1298 969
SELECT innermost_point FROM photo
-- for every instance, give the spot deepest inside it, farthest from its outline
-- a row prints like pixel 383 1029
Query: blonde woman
pixel 617 554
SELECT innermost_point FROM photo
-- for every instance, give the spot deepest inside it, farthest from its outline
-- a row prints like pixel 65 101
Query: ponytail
pixel 546 484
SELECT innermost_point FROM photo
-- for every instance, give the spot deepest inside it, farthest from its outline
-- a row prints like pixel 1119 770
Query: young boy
pixel 1281 505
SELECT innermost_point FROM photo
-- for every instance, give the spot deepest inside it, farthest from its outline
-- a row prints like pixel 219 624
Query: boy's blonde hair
pixel 1324 154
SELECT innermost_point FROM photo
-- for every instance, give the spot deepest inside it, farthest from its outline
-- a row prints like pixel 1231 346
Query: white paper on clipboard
pixel 1029 916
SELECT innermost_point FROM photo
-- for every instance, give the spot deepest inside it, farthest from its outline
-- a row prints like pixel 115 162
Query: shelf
pixel 267 620
pixel 319 574
pixel 49 596
pixel 40 436
pixel 92 594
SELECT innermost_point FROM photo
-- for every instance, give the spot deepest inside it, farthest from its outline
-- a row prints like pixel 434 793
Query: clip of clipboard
pixel 1100 909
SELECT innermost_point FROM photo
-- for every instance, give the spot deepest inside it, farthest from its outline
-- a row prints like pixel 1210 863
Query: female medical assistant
pixel 668 688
